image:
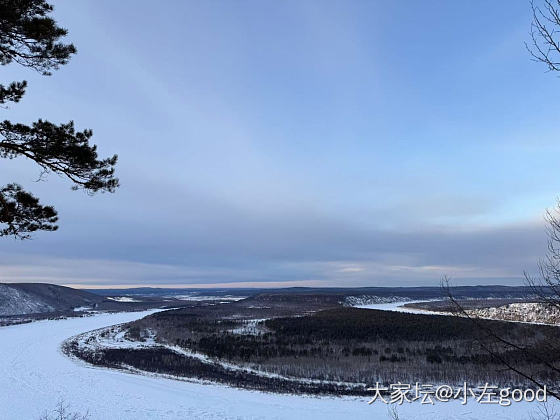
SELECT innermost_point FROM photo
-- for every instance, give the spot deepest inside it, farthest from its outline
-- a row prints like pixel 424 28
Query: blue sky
pixel 326 143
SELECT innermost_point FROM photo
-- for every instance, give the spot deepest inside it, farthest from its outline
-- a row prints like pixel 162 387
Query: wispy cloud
pixel 296 143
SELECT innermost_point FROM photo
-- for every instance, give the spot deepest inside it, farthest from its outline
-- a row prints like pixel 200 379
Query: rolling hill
pixel 33 298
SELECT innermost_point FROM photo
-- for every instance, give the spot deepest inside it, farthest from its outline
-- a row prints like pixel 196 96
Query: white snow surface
pixel 203 298
pixel 397 306
pixel 123 299
pixel 528 312
pixel 35 374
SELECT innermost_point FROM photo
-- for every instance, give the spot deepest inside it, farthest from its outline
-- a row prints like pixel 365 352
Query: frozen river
pixel 35 374
pixel 398 307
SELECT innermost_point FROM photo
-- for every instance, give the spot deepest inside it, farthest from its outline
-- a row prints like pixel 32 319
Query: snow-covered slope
pixel 30 298
pixel 525 312
pixel 364 300
pixel 14 302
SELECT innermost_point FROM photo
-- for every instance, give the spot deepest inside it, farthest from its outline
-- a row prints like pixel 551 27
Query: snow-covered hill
pixel 525 312
pixel 359 301
pixel 32 298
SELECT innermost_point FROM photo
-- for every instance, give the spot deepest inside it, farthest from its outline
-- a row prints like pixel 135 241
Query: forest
pixel 314 344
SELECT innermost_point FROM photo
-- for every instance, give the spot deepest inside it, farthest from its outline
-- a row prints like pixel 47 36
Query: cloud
pixel 324 158
pixel 351 270
pixel 287 250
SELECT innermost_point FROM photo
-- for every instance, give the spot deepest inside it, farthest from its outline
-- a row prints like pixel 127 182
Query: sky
pixel 295 143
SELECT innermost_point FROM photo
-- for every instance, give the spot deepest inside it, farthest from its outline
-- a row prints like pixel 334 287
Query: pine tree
pixel 30 37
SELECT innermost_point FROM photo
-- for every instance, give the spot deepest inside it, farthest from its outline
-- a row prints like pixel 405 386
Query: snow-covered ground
pixel 16 302
pixel 397 306
pixel 114 337
pixel 528 312
pixel 35 374
pixel 123 299
pixel 203 298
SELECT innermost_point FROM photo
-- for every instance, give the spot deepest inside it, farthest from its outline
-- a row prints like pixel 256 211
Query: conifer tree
pixel 30 37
